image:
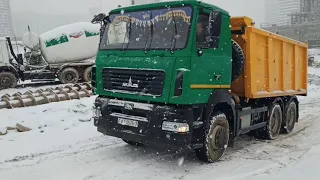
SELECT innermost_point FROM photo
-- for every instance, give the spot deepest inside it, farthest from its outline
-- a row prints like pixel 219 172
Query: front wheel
pixel 87 74
pixel 7 80
pixel 69 75
pixel 216 138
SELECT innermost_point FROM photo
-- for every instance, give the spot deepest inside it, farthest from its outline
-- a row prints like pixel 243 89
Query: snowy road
pixel 64 145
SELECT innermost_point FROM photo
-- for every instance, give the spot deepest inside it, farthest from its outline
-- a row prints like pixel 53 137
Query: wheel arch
pixel 10 69
pixel 280 101
pixel 221 100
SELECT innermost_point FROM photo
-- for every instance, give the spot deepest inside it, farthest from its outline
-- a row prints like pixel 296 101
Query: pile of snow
pixel 314 52
pixel 27 86
pixel 52 125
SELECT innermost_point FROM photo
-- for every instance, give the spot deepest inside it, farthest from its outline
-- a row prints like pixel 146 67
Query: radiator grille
pixel 133 81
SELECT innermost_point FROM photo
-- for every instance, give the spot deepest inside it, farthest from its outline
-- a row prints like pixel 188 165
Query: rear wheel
pixel 132 143
pixel 7 80
pixel 290 117
pixel 274 122
pixel 87 74
pixel 216 138
pixel 69 75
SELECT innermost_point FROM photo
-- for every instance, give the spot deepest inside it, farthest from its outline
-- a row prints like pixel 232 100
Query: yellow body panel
pixel 275 65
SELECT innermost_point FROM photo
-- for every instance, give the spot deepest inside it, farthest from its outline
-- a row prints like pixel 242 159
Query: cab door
pixel 212 54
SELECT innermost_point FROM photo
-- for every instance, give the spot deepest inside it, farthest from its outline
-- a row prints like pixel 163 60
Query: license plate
pixel 127 122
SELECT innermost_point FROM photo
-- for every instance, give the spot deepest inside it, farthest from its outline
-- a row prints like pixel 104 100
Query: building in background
pixel 5 19
pixel 302 24
pixel 272 12
pixel 288 7
pixel 278 12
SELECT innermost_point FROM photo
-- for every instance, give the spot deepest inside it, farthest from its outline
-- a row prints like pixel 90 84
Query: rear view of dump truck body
pixel 274 65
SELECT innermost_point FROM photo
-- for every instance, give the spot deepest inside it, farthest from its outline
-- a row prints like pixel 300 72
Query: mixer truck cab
pixel 65 53
pixel 184 75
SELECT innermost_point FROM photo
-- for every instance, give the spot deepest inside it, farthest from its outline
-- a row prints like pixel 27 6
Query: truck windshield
pixel 170 29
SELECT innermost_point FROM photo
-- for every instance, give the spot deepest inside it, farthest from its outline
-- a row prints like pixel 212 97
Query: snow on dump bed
pixel 63 144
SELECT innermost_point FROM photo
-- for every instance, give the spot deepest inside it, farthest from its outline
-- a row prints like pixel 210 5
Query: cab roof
pixel 165 4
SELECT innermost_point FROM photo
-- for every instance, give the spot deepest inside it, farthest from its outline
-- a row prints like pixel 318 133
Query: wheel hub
pixel 69 77
pixel 219 138
pixel 5 81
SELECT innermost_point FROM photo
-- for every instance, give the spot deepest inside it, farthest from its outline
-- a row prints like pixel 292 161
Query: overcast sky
pixel 251 8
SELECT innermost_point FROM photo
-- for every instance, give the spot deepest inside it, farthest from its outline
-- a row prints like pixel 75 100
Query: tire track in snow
pixel 246 148
pixel 63 151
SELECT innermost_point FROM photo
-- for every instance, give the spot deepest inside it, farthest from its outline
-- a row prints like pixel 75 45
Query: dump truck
pixel 66 53
pixel 185 75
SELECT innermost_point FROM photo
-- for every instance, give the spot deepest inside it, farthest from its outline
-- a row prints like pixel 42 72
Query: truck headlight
pixel 175 127
pixel 96 112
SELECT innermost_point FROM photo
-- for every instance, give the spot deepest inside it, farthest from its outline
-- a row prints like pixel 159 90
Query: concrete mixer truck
pixel 66 53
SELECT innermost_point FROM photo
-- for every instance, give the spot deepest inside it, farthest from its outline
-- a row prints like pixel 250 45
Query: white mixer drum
pixel 70 43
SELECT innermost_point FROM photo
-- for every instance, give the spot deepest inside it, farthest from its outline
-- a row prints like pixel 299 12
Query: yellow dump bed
pixel 275 65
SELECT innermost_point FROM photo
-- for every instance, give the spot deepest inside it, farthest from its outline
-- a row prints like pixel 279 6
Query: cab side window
pixel 202 29
pixel 215 29
pixel 209 29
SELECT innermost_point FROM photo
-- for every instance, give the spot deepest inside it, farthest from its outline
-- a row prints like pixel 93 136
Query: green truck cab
pixel 163 76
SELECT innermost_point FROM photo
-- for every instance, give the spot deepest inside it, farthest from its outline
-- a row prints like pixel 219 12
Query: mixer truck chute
pixel 66 52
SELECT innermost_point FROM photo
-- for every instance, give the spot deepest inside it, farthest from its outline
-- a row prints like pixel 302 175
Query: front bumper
pixel 150 118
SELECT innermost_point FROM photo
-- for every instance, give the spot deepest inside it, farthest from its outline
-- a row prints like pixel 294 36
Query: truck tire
pixel 274 123
pixel 290 117
pixel 216 138
pixel 132 143
pixel 87 74
pixel 238 61
pixel 7 80
pixel 69 75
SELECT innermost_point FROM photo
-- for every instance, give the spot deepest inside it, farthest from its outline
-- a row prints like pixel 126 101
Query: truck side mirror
pixel 98 18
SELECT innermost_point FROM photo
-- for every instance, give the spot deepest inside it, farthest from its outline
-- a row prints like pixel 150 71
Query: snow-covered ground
pixel 63 144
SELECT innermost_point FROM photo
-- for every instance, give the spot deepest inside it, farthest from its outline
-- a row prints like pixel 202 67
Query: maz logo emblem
pixel 128 106
pixel 130 84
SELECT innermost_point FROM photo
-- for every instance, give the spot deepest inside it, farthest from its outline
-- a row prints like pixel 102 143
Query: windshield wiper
pixel 152 32
pixel 176 33
pixel 129 35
